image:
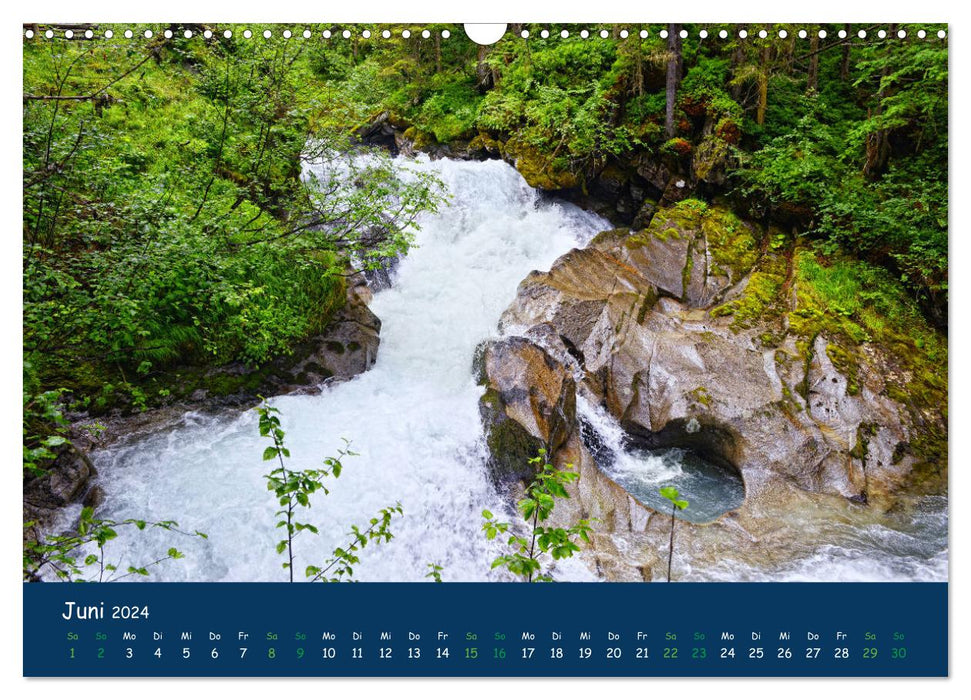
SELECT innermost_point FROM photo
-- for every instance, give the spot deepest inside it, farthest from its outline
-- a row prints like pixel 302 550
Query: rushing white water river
pixel 413 419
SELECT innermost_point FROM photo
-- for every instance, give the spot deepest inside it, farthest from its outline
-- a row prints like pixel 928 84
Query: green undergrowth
pixel 761 300
pixel 856 306
pixel 861 303
pixel 732 244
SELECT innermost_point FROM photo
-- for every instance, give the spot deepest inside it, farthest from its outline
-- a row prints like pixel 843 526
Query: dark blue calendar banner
pixel 428 629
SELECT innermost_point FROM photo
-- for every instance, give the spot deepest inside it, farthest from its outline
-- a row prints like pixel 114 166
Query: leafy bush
pixel 536 507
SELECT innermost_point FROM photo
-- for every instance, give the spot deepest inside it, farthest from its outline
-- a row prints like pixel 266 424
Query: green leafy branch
pixel 343 559
pixel 293 489
pixel 536 507
pixel 434 572
pixel 44 426
pixel 61 554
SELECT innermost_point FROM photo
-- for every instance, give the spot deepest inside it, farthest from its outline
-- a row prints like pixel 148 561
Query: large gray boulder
pixel 694 334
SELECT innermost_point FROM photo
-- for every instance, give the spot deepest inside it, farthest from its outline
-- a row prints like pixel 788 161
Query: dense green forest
pixel 166 223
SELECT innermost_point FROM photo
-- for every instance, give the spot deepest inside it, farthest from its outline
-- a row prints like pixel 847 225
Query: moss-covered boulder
pixel 541 170
pixel 529 404
pixel 815 377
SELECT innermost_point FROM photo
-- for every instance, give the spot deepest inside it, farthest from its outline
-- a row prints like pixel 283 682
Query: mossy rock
pixel 511 447
pixel 847 364
pixel 421 140
pixel 732 243
pixel 700 396
pixel 758 303
pixel 539 169
pixel 484 142
pixel 710 159
pixel 676 222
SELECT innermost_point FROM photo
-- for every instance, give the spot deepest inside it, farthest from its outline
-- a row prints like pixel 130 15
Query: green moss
pixel 772 337
pixel 847 365
pixel 605 238
pixel 421 140
pixel 483 141
pixel 855 306
pixel 540 170
pixel 731 243
pixel 758 301
pixel 789 406
pixel 510 445
pixel 806 351
pixel 710 156
pixel 854 303
pixel 864 432
pixel 679 221
pixel 648 301
pixel 700 396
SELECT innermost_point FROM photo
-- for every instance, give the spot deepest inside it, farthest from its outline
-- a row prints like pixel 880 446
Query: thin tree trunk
pixel 673 77
pixel 483 74
pixel 878 142
pixel 671 543
pixel 845 63
pixel 738 59
pixel 788 51
pixel 812 79
pixel 763 83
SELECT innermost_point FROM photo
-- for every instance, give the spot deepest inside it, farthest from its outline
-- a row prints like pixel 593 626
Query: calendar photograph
pixel 404 303
pixel 510 312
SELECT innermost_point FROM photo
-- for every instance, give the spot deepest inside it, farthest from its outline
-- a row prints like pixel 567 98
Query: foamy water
pixel 413 418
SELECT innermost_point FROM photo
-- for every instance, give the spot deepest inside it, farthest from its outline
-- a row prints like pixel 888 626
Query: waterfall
pixel 413 418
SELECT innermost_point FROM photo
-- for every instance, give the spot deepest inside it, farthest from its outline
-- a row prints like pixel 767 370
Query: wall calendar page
pixel 613 350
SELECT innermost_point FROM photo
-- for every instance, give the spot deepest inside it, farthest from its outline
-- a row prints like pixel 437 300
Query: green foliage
pixel 44 426
pixel 450 112
pixel 61 555
pixel 160 220
pixel 677 503
pixel 169 221
pixel 579 105
pixel 672 494
pixel 293 489
pixel 536 507
pixel 862 166
pixel 434 573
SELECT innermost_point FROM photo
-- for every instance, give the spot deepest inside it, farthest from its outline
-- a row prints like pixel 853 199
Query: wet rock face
pixel 635 311
pixel 529 404
pixel 639 320
pixel 347 347
pixel 67 481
